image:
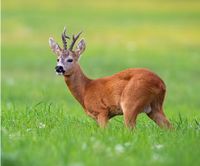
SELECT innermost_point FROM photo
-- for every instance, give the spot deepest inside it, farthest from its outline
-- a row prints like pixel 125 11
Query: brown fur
pixel 127 92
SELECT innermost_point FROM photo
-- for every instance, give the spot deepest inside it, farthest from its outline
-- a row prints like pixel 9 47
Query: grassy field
pixel 42 124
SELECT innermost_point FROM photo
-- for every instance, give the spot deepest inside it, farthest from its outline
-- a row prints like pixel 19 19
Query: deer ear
pixel 54 46
pixel 80 47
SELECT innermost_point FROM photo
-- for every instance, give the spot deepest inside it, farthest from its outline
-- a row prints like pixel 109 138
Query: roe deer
pixel 126 93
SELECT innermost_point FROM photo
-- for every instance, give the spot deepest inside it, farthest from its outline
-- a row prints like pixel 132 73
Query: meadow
pixel 42 124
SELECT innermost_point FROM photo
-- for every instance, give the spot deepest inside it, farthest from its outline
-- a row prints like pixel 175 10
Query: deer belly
pixel 114 110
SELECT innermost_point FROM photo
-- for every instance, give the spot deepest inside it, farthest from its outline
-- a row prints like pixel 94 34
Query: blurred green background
pixel 42 124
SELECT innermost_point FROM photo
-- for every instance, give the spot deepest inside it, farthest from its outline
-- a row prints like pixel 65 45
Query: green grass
pixel 42 124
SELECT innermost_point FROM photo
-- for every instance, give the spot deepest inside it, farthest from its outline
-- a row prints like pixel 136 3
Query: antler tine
pixel 64 37
pixel 74 39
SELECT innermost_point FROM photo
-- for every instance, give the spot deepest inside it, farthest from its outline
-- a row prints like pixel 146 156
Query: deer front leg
pixel 102 119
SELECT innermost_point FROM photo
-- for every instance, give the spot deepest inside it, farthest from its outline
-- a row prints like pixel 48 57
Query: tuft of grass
pixel 43 134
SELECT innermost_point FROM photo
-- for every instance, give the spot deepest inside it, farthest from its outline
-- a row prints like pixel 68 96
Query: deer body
pixel 128 93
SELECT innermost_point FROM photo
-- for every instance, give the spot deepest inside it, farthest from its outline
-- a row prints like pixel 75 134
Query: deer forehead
pixel 66 54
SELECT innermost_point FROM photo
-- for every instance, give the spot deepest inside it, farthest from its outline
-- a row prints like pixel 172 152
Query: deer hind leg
pixel 131 107
pixel 130 115
pixel 133 101
pixel 159 118
pixel 157 114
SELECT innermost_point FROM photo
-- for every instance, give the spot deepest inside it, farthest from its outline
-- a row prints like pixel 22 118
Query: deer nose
pixel 59 69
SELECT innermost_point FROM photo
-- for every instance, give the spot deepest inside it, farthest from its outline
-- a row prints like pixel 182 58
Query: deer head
pixel 67 58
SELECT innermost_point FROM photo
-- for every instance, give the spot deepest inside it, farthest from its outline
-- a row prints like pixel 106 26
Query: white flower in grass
pixel 119 148
pixel 41 125
pixel 158 146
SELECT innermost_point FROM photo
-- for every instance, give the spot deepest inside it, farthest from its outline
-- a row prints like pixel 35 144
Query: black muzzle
pixel 59 69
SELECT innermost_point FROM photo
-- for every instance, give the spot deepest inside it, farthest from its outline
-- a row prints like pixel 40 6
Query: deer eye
pixel 70 60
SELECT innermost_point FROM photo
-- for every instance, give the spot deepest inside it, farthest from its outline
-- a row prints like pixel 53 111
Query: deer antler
pixel 74 38
pixel 64 37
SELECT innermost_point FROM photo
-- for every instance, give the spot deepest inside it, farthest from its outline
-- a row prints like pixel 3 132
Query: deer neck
pixel 77 83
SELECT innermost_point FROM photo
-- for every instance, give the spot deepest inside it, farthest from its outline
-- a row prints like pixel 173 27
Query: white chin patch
pixel 59 73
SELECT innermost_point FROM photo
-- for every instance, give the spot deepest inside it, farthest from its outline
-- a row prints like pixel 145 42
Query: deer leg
pixel 130 111
pixel 132 103
pixel 130 119
pixel 159 118
pixel 102 120
pixel 157 114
